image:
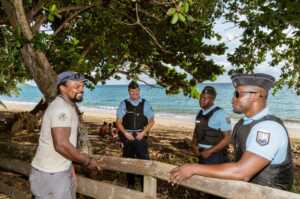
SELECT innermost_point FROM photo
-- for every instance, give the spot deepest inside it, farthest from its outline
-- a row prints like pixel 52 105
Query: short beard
pixel 237 111
pixel 78 98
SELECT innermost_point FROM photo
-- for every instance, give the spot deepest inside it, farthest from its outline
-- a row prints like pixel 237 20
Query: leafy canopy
pixel 103 39
pixel 271 29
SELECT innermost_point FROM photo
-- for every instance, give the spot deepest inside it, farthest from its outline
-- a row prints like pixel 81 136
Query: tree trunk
pixel 42 73
pixel 41 106
pixel 35 60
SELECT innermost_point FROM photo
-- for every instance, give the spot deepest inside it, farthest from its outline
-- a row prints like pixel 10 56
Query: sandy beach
pixel 169 139
pixel 161 122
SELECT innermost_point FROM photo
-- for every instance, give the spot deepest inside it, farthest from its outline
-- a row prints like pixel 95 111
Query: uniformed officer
pixel 262 146
pixel 212 130
pixel 135 119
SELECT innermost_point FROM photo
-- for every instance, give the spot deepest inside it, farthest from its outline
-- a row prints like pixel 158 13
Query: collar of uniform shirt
pixel 205 111
pixel 135 102
pixel 248 120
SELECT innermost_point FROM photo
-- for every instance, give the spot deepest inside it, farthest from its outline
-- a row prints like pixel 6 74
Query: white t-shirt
pixel 59 114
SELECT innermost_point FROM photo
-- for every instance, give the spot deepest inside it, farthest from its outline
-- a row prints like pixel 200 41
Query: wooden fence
pixel 153 170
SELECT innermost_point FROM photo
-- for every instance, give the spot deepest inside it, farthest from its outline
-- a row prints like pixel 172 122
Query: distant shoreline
pixel 182 116
pixel 162 122
pixel 107 97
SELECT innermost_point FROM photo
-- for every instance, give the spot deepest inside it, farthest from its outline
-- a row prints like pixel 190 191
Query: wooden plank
pixel 86 186
pixel 8 187
pixel 12 192
pixel 17 166
pixel 12 150
pixel 150 186
pixel 127 165
pixel 218 187
pixel 102 190
pixel 297 162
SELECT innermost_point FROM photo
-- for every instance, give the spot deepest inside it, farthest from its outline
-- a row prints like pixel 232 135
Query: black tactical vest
pixel 205 134
pixel 134 119
pixel 278 176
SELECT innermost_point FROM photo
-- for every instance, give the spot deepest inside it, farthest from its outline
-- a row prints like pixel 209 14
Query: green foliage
pixel 270 28
pixel 180 12
pixel 41 41
pixel 53 12
pixel 12 70
pixel 103 39
pixel 162 39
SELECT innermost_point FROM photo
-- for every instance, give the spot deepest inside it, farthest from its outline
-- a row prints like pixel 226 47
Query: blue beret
pixel 258 79
pixel 69 75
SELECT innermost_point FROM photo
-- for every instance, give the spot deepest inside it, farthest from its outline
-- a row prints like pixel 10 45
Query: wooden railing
pixel 153 170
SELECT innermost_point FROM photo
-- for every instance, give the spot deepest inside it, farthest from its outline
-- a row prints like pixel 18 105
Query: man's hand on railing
pixel 93 165
pixel 181 173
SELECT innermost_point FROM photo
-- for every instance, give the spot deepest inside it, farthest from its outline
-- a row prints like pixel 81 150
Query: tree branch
pixel 70 18
pixel 36 9
pixel 3 22
pixel 150 15
pixel 73 8
pixel 148 84
pixel 9 11
pixel 22 20
pixel 88 49
pixel 139 79
pixel 38 23
pixel 42 18
pixel 147 30
pixel 161 3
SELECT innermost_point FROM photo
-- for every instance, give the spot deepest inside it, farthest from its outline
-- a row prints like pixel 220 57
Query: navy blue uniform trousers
pixel 135 149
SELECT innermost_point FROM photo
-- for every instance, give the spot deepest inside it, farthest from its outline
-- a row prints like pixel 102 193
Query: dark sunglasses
pixel 237 94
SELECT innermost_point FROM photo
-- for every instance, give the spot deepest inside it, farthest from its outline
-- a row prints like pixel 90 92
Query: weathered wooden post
pixel 150 186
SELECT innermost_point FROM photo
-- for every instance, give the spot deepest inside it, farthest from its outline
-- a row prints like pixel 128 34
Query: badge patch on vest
pixel 263 138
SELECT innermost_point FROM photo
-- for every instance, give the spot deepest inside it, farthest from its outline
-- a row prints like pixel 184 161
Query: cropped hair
pixel 58 87
pixel 133 85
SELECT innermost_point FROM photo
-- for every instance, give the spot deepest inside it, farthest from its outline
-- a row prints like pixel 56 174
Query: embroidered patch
pixel 263 138
pixel 62 117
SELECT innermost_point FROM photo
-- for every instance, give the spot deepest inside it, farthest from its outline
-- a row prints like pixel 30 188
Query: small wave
pixel 107 107
pixel 98 108
pixel 19 102
pixel 180 117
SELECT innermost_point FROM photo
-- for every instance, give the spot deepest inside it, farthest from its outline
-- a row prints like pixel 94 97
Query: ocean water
pixel 285 104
